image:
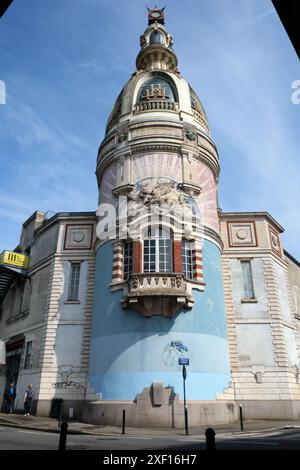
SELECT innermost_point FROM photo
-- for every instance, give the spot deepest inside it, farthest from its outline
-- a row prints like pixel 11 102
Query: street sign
pixel 183 361
pixel 11 258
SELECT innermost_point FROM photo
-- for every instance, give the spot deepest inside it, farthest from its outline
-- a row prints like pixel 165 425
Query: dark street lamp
pixel 183 361
pixel 184 401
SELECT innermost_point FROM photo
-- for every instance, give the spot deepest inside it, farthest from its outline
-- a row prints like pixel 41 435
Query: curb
pixel 6 423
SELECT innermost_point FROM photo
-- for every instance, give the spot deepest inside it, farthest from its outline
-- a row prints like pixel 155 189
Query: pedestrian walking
pixel 9 398
pixel 28 397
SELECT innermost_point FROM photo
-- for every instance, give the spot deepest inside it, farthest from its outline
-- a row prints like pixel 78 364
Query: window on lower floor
pixel 187 251
pixel 74 281
pixel 247 279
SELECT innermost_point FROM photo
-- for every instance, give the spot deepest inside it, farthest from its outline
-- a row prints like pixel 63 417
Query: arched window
pixel 187 253
pixel 157 251
pixel 156 88
pixel 156 38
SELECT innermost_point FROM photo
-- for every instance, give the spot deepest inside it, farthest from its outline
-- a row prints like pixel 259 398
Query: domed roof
pixel 115 114
pixel 157 91
pixel 157 84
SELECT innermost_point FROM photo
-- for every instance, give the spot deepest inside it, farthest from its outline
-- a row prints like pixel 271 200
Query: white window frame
pixel 74 282
pixel 127 259
pixel 247 278
pixel 187 257
pixel 158 249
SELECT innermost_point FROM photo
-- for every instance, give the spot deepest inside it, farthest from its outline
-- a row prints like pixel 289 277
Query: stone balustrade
pixel 154 105
pixel 160 282
pixel 198 117
pixel 158 293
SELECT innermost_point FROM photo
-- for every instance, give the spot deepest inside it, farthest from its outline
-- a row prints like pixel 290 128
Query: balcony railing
pixel 198 117
pixel 156 105
pixel 159 283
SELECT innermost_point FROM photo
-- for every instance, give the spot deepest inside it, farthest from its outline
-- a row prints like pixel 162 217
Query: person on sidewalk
pixel 28 397
pixel 9 399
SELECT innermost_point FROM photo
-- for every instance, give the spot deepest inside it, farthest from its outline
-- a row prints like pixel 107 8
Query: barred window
pixel 247 279
pixel 74 281
pixel 128 253
pixel 187 250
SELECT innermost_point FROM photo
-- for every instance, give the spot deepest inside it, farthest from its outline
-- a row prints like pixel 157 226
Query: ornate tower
pixel 159 290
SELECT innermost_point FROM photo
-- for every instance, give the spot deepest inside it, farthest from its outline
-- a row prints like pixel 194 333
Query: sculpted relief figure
pixel 163 195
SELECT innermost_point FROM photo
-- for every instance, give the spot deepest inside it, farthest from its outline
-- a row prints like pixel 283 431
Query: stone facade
pixel 37 311
pixel 263 330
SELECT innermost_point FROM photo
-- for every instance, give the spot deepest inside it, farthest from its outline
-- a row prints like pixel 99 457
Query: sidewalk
pixel 51 425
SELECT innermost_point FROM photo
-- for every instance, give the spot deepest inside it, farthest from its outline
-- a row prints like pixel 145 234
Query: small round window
pixel 156 88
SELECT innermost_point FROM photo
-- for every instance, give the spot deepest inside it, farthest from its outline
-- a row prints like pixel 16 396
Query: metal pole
pixel 63 436
pixel 59 414
pixel 184 402
pixel 210 439
pixel 241 418
pixel 123 422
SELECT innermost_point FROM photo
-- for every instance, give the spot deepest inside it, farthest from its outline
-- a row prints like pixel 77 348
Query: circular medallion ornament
pixel 275 241
pixel 241 234
pixel 78 236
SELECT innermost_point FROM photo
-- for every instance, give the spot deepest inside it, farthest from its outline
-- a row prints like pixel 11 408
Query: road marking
pixel 190 439
pixel 115 438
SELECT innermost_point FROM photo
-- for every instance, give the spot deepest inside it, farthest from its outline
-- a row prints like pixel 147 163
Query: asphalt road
pixel 21 439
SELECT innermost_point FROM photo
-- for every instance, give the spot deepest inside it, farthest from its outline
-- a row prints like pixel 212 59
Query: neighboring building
pixel 102 323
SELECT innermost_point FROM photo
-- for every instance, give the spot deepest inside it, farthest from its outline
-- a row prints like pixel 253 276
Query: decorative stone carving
pixel 143 42
pixel 169 40
pixel 275 241
pixel 135 282
pixel 157 294
pixel 191 135
pixel 157 192
pixel 242 234
pixel 121 138
pixel 78 237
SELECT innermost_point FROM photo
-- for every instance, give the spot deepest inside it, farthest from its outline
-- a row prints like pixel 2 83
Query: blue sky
pixel 65 61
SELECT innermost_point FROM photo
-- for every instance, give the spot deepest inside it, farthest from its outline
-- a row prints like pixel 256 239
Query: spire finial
pixel 156 14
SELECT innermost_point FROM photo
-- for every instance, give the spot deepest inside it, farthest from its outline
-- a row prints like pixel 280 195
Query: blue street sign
pixel 183 361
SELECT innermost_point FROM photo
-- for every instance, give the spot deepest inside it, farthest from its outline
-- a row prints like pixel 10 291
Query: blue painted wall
pixel 129 352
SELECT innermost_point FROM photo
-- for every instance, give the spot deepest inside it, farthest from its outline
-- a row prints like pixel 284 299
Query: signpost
pixel 184 361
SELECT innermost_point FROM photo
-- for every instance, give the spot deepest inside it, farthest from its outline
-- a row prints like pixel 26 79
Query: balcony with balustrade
pixel 158 293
